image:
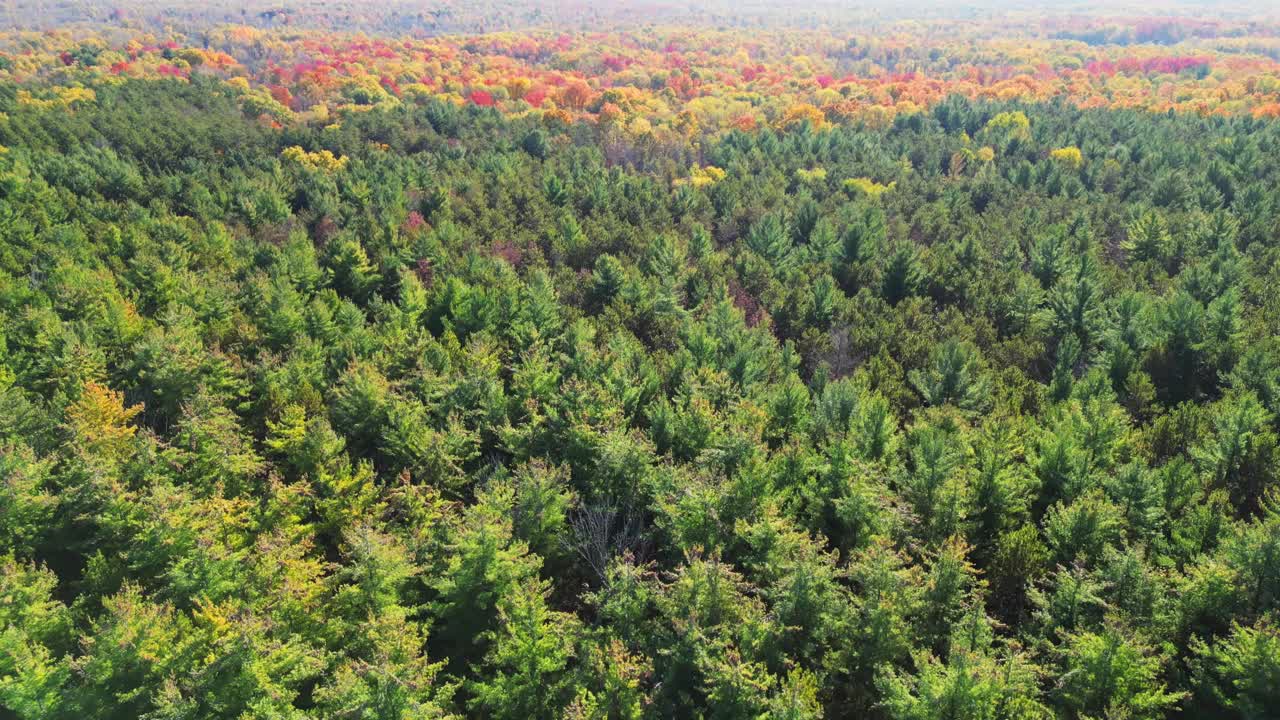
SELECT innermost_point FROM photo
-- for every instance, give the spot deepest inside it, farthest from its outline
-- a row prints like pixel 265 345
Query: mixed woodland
pixel 621 374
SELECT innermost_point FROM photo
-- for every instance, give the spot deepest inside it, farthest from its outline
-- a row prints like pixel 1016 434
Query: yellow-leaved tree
pixel 99 422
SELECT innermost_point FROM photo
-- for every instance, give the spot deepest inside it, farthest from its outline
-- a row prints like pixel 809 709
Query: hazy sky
pixel 469 16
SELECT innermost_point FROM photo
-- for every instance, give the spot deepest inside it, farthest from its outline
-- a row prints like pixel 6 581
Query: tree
pixel 875 630
pixel 973 683
pixel 37 631
pixel 903 274
pixel 532 649
pixel 353 274
pixel 607 278
pixel 27 501
pixel 1183 364
pixel 951 590
pixel 99 423
pixel 932 485
pixel 378 568
pixel 1238 676
pixel 485 564
pixel 1079 531
pixel 1112 672
pixel 540 507
pixel 138 645
pixel 1147 237
pixel 954 376
pixel 361 405
pixel 769 239
pixel 1020 558
pixel 212 450
pixel 1076 304
pixel 1002 487
pixel 1239 455
pixel 613 683
pixel 1252 552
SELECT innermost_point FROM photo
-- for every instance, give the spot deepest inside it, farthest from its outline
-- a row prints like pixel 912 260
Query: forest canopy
pixel 920 370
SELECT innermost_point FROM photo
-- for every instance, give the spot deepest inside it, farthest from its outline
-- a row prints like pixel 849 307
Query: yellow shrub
pixel 1068 156
pixel 702 176
pixel 816 175
pixel 1010 124
pixel 323 161
pixel 867 186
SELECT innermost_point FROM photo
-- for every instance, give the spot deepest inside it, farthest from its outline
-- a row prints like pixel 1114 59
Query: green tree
pixel 953 376
pixel 529 675
pixel 1238 676
pixel 1110 673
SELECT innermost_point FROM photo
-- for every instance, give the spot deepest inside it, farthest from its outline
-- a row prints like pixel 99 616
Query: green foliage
pixel 973 683
pixel 953 376
pixel 498 416
pixel 530 656
pixel 1240 673
pixel 1109 674
pixel 903 274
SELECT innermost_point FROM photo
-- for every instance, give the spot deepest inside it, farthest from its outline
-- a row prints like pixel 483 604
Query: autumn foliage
pixel 724 78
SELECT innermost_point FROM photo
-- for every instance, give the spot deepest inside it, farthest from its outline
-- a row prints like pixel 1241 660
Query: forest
pixel 887 369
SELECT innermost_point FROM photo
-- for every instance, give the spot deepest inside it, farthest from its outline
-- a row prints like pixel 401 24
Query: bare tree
pixel 602 532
